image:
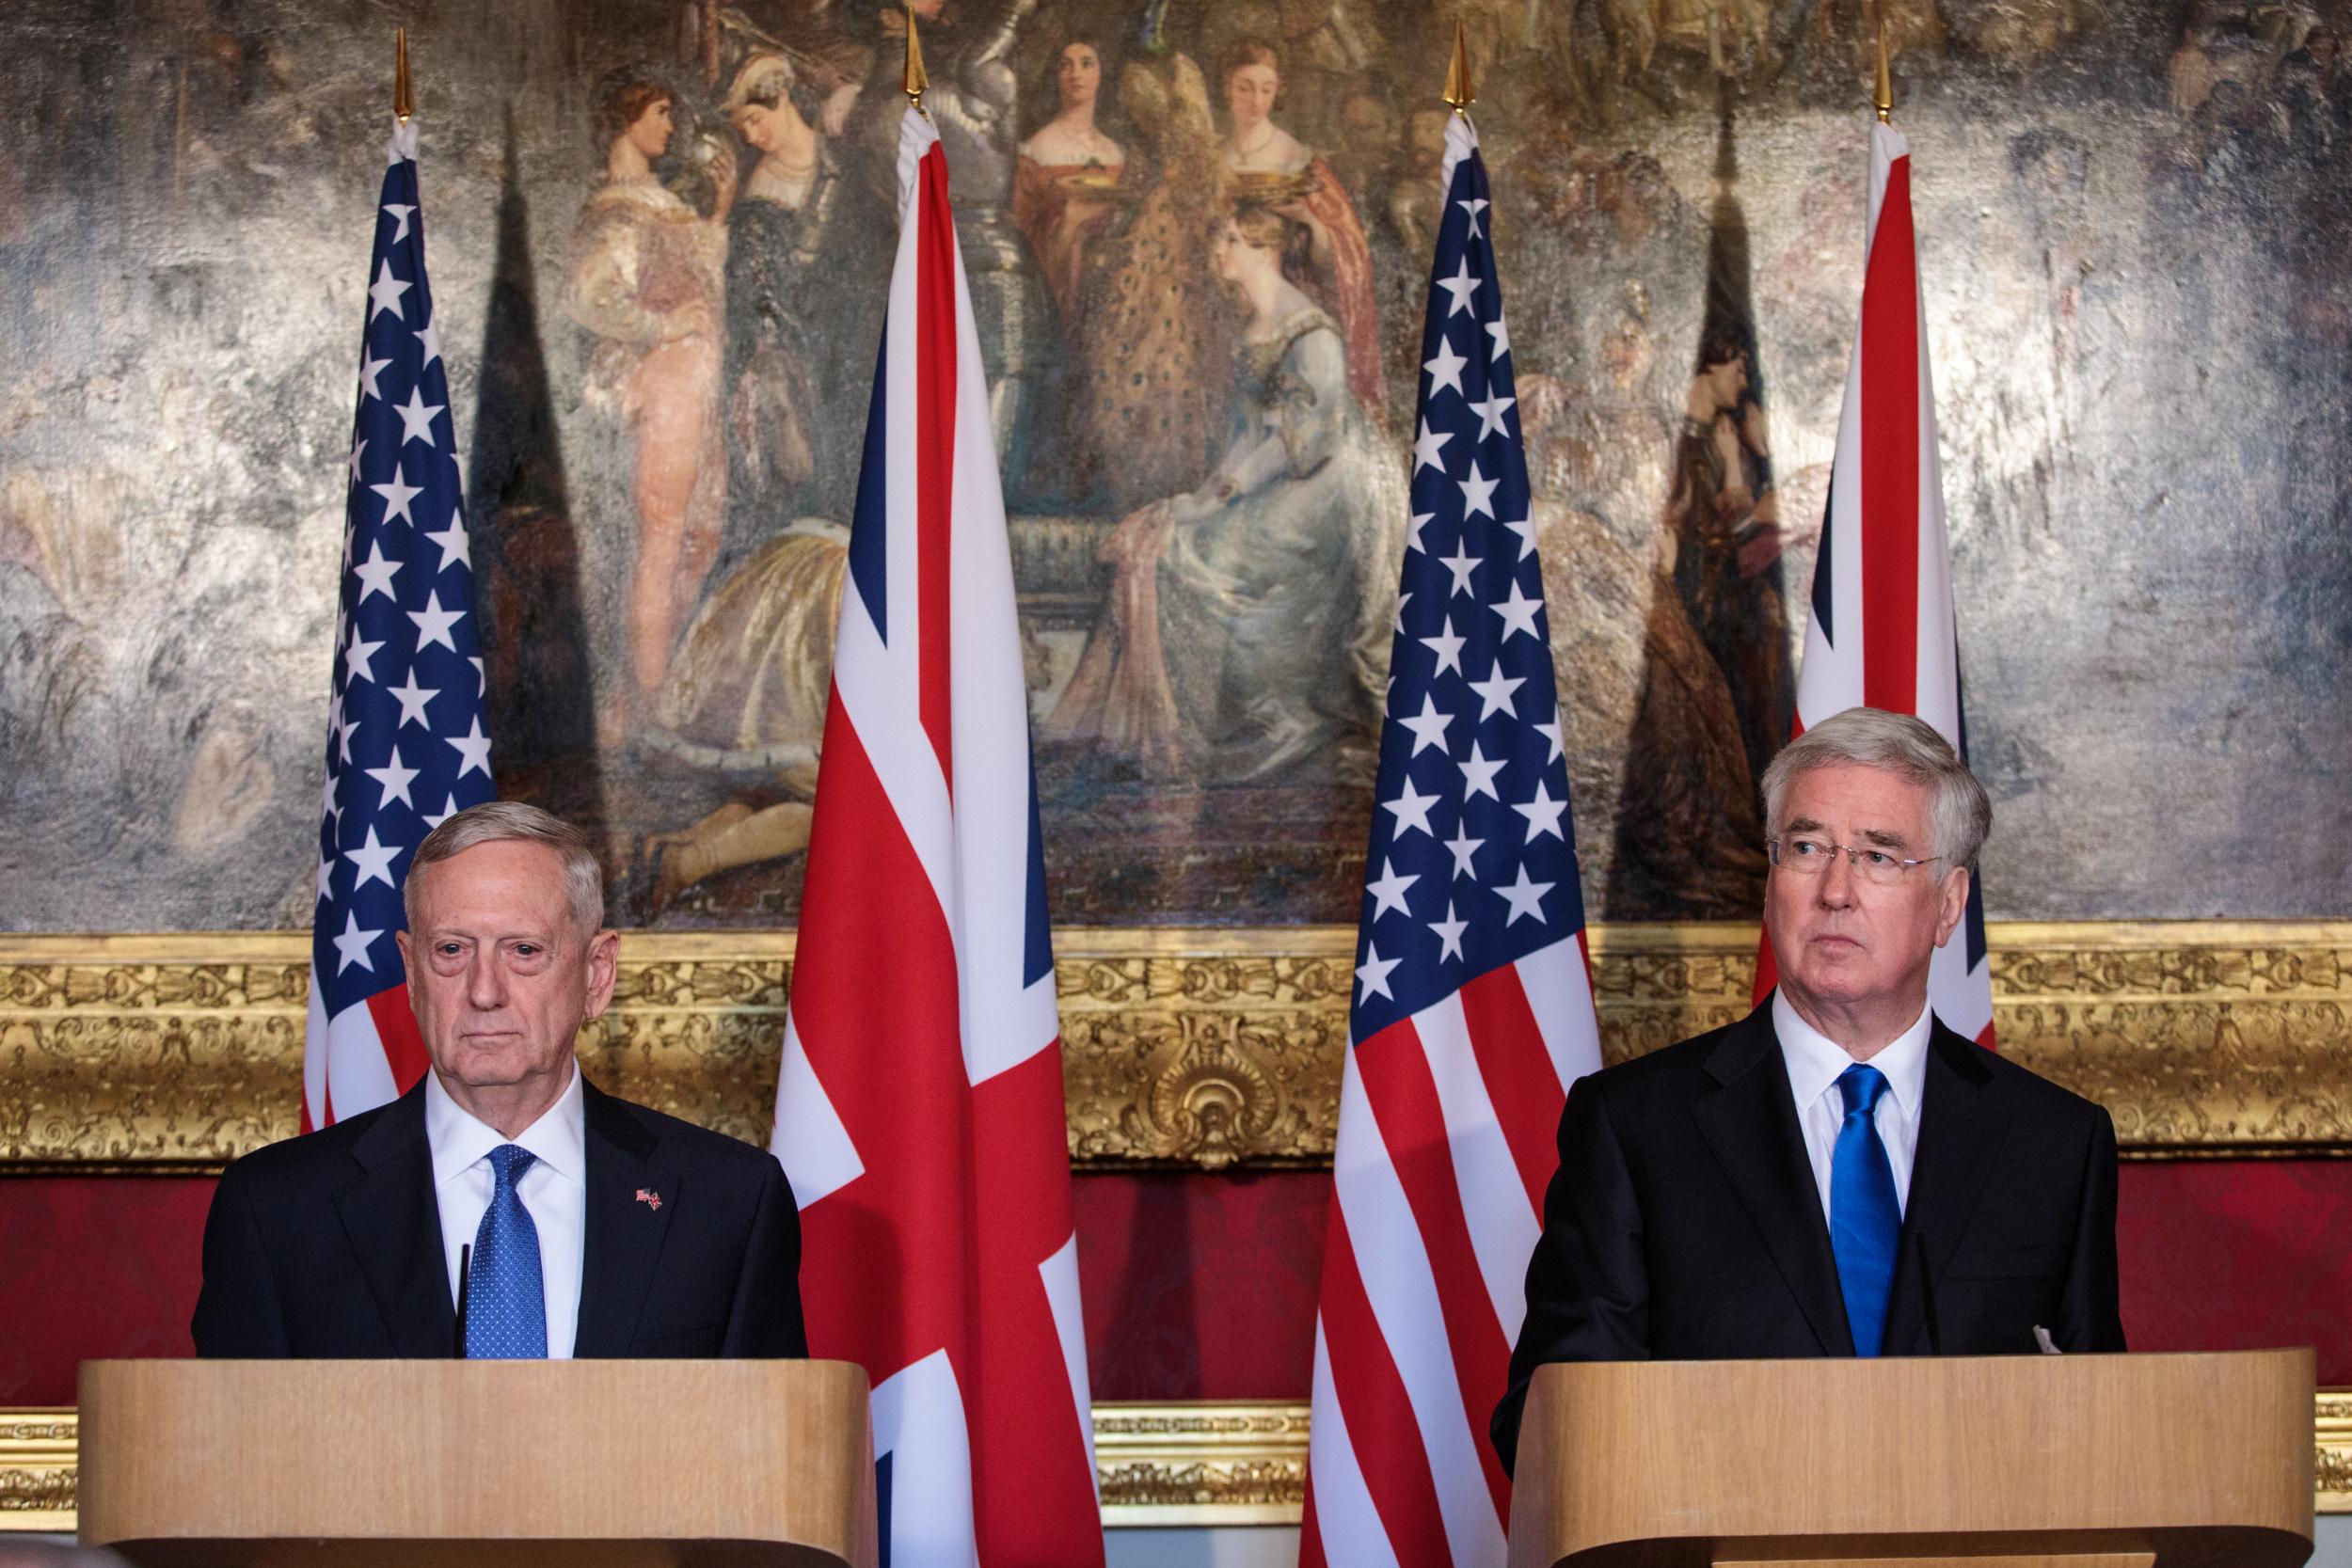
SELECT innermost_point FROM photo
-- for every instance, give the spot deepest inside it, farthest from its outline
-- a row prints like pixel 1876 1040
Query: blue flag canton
pixel 405 745
pixel 1472 863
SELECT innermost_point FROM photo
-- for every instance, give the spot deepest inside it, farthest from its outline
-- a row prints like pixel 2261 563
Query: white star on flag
pixel 1542 814
pixel 394 779
pixel 1388 893
pixel 383 293
pixel 353 944
pixel 399 211
pixel 1428 726
pixel 1448 647
pixel 1374 971
pixel 1412 811
pixel 1449 932
pixel 474 748
pixel 1462 286
pixel 412 699
pixel 397 495
pixel 1518 613
pixel 1478 774
pixel 1464 847
pixel 1526 898
pixel 376 573
pixel 455 551
pixel 373 863
pixel 1494 693
pixel 1445 371
pixel 1427 445
pixel 416 419
pixel 434 624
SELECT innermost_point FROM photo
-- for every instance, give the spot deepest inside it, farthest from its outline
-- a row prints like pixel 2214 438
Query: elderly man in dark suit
pixel 570 1223
pixel 1837 1173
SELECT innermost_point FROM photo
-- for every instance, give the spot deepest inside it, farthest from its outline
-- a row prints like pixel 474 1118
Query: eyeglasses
pixel 1810 857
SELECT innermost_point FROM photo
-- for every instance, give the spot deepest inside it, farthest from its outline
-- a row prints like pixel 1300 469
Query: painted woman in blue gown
pixel 1247 632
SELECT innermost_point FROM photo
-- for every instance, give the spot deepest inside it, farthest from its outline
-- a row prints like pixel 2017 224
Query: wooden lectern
pixel 377 1464
pixel 1979 1461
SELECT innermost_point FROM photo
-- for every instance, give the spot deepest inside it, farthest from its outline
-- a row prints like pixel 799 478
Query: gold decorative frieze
pixel 1197 1463
pixel 1201 1464
pixel 1200 1048
pixel 36 1469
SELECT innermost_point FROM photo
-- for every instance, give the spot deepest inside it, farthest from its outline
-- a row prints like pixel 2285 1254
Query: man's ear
pixel 1954 893
pixel 604 969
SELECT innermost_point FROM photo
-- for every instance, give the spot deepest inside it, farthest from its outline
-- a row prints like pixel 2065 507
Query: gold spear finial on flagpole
pixel 1458 77
pixel 1884 97
pixel 403 99
pixel 916 79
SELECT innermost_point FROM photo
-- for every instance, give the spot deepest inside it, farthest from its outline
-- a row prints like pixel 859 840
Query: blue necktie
pixel 1864 1218
pixel 506 1306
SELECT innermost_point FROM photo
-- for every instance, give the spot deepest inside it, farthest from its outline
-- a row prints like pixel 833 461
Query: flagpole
pixel 403 99
pixel 1883 99
pixel 915 82
pixel 1458 96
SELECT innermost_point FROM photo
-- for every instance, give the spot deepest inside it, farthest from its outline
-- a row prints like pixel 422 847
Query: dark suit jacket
pixel 329 1245
pixel 1684 1223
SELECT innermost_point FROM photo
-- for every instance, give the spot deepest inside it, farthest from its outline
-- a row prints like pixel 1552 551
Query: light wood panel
pixel 2203 1461
pixel 199 1463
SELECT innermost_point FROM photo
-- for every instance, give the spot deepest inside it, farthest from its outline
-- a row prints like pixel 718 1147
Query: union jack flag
pixel 919 1107
pixel 1473 1007
pixel 405 747
pixel 1883 631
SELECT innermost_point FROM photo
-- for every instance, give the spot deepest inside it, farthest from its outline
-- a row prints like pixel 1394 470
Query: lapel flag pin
pixel 650 1198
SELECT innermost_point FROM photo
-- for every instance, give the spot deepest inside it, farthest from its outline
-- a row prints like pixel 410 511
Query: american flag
pixel 1473 1009
pixel 405 746
pixel 1883 632
pixel 919 1107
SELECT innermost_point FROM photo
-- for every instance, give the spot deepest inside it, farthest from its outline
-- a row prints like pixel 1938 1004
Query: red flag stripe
pixel 1521 1083
pixel 1373 1403
pixel 935 449
pixel 1405 1103
pixel 896 1235
pixel 1890 455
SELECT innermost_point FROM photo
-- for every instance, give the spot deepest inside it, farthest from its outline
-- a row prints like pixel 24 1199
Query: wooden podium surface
pixel 2084 1461
pixel 198 1463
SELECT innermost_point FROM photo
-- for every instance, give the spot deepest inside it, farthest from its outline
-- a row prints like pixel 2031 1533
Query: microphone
pixel 1927 1295
pixel 465 1279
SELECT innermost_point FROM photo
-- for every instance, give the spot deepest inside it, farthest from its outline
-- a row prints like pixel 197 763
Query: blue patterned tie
pixel 506 1307
pixel 1864 1218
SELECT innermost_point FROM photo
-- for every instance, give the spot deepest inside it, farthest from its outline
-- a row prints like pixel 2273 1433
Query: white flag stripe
pixel 1059 1275
pixel 918 1421
pixel 1502 1223
pixel 1560 995
pixel 818 1157
pixel 1402 1288
pixel 359 1074
pixel 1345 1514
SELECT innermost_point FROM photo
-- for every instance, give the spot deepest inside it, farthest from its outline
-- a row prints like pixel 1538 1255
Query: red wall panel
pixel 1203 1287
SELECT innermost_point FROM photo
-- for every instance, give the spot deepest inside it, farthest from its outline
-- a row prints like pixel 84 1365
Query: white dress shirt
pixel 1815 1063
pixel 554 1189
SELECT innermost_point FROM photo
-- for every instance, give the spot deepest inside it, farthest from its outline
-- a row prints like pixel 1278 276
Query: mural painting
pixel 1196 234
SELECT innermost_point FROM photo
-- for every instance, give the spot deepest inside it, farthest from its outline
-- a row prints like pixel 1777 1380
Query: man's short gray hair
pixel 1960 814
pixel 511 822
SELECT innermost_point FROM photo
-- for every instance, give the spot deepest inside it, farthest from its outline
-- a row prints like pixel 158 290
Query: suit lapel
pixel 393 1222
pixel 1961 1125
pixel 624 1231
pixel 1750 1121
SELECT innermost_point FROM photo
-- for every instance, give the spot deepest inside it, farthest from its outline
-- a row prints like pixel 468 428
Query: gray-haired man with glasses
pixel 1837 1173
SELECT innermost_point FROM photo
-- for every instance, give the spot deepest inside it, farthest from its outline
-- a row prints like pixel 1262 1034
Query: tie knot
pixel 509 1161
pixel 1862 1085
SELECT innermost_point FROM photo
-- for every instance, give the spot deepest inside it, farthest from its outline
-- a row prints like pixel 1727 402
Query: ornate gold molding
pixel 36 1469
pixel 1188 1464
pixel 1200 1048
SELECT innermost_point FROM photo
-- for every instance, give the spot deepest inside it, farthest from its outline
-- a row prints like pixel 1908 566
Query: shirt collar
pixel 1815 1061
pixel 459 1139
